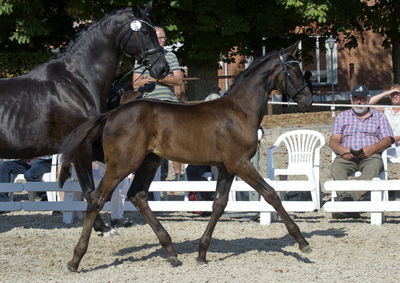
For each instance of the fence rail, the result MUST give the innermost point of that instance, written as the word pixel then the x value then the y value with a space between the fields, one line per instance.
pixel 69 205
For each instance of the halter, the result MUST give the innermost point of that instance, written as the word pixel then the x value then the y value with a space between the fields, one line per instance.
pixel 287 76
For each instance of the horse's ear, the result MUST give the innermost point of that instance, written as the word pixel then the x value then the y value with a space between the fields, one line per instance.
pixel 149 7
pixel 135 10
pixel 138 12
pixel 292 50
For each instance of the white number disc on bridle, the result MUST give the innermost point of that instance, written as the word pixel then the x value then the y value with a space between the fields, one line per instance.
pixel 136 25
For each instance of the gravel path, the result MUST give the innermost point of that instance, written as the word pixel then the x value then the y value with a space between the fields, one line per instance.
pixel 35 247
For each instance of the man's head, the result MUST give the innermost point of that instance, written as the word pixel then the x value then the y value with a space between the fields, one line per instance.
pixel 395 94
pixel 360 96
pixel 162 38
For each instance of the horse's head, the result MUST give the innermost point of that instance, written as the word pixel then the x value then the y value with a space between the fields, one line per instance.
pixel 291 80
pixel 140 40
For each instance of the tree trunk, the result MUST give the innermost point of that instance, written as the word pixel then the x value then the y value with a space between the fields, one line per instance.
pixel 208 82
pixel 396 61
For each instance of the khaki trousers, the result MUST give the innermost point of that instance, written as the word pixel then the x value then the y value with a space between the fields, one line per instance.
pixel 370 168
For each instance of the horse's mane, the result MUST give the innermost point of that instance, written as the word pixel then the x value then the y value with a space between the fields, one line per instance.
pixel 256 62
pixel 80 38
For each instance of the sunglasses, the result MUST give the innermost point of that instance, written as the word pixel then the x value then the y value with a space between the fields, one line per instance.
pixel 396 93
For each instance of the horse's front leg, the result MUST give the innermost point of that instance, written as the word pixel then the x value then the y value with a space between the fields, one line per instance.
pixel 137 194
pixel 83 168
pixel 224 184
pixel 95 205
pixel 249 174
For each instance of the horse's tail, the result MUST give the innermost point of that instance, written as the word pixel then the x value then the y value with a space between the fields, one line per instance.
pixel 86 133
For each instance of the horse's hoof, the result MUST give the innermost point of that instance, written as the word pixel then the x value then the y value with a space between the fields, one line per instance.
pixel 174 261
pixel 71 268
pixel 306 249
pixel 201 261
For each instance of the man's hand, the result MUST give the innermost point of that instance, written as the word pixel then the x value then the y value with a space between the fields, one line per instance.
pixel 368 152
pixel 152 80
pixel 348 156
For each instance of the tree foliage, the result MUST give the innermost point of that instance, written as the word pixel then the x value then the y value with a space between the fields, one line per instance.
pixel 33 24
pixel 208 28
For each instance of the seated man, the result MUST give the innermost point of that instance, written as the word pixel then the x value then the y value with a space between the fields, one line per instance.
pixel 358 137
pixel 33 171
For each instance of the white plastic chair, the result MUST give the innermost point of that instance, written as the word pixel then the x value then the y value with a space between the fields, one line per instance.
pixel 303 147
pixel 393 155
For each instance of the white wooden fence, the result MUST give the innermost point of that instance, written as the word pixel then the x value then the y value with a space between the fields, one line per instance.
pixel 378 204
pixel 69 205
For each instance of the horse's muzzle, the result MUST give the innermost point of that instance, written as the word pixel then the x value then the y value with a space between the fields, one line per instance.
pixel 159 70
pixel 304 102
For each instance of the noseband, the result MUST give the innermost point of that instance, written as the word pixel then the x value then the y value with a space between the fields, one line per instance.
pixel 287 76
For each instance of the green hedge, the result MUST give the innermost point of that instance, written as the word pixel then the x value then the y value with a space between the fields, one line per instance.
pixel 17 63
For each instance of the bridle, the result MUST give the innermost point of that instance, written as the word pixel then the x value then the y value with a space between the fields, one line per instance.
pixel 286 74
pixel 142 59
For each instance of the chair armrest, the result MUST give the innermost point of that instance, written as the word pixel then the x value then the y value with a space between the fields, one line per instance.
pixel 270 162
pixel 317 156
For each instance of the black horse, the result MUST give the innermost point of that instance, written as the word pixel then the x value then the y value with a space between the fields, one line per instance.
pixel 39 109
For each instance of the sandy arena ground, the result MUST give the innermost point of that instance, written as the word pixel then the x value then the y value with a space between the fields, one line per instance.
pixel 36 246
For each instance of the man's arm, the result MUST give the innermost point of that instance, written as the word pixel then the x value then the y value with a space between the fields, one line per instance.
pixel 138 80
pixel 385 134
pixel 336 146
pixel 376 98
pixel 175 79
pixel 377 147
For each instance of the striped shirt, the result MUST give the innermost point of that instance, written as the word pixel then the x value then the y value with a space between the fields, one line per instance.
pixel 357 133
pixel 162 91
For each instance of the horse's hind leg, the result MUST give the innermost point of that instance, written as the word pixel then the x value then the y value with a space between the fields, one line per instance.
pixel 224 184
pixel 250 175
pixel 137 194
pixel 83 167
pixel 96 203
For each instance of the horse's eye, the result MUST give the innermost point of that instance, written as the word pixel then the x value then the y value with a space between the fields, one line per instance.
pixel 146 32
